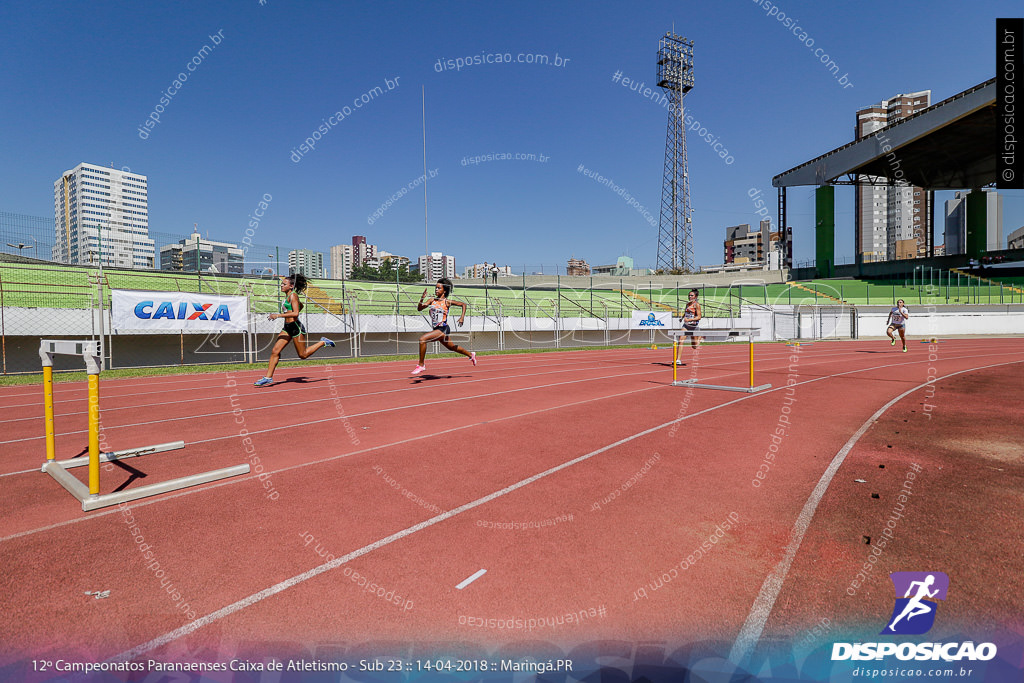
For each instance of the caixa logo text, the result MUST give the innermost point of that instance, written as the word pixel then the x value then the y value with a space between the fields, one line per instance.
pixel 150 310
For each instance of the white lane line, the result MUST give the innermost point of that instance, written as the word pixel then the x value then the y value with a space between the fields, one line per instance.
pixel 335 563
pixel 236 480
pixel 751 631
pixel 78 388
pixel 353 415
pixel 471 579
pixel 319 400
pixel 826 361
pixel 279 391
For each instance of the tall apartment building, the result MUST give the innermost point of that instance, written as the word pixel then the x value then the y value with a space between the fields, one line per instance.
pixel 436 265
pixel 342 260
pixel 890 214
pixel 101 216
pixel 956 222
pixel 196 253
pixel 361 251
pixel 762 246
pixel 743 245
pixel 306 261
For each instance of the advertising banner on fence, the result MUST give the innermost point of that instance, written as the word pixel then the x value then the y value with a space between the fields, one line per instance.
pixel 651 320
pixel 189 311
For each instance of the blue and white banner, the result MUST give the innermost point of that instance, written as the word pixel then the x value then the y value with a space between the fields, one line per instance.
pixel 191 312
pixel 651 320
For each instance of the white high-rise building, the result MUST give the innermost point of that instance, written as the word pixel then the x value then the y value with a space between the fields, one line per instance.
pixel 102 217
pixel 309 263
pixel 889 213
pixel 342 257
pixel 436 266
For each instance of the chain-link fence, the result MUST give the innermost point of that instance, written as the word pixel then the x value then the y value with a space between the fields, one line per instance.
pixel 45 300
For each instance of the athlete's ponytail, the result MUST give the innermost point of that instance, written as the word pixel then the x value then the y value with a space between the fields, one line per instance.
pixel 298 281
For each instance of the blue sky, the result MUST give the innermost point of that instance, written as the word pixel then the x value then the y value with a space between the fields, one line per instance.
pixel 79 79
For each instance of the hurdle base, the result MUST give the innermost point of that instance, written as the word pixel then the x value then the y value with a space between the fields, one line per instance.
pixel 114 456
pixel 696 385
pixel 94 502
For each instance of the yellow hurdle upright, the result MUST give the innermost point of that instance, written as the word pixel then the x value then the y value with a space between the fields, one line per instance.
pixel 94 434
pixel 48 403
pixel 675 358
pixel 89 496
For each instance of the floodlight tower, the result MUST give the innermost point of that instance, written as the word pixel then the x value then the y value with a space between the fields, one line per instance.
pixel 675 229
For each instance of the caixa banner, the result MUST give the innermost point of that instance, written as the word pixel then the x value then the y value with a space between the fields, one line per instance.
pixel 191 312
pixel 651 320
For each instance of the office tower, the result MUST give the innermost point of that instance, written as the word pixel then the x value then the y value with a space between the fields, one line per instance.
pixel 101 217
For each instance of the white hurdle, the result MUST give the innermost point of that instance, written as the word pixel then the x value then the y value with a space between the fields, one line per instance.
pixel 725 334
pixel 89 496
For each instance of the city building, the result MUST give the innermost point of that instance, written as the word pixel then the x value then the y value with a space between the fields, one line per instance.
pixel 622 267
pixel 477 271
pixel 780 250
pixel 889 213
pixel 101 216
pixel 171 257
pixel 1015 240
pixel 342 260
pixel 196 253
pixel 306 261
pixel 361 250
pixel 577 266
pixel 381 256
pixel 760 249
pixel 435 266
pixel 956 222
pixel 743 245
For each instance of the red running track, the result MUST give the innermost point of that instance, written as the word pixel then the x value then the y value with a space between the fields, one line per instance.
pixel 581 482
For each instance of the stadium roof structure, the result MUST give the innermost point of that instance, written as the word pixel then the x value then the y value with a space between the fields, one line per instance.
pixel 948 146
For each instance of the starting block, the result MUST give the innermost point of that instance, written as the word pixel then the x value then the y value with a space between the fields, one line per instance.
pixel 930 341
pixel 716 335
pixel 89 496
pixel 798 343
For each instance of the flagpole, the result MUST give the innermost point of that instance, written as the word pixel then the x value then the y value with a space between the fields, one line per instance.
pixel 426 245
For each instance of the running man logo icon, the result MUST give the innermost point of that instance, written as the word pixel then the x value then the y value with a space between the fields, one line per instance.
pixel 914 612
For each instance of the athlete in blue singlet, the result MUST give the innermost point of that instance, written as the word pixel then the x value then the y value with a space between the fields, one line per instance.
pixel 439 306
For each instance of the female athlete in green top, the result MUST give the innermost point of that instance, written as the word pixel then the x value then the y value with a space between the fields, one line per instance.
pixel 293 330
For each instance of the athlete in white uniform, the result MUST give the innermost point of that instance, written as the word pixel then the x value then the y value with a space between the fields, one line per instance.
pixel 898 321
pixel 439 306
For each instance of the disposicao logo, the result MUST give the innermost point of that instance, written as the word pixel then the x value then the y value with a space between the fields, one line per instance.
pixel 166 310
pixel 917 596
pixel 914 613
pixel 651 322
